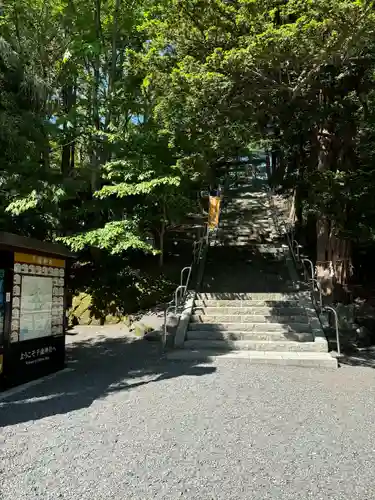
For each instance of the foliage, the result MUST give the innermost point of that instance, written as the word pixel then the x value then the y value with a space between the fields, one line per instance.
pixel 297 76
pixel 87 162
pixel 118 112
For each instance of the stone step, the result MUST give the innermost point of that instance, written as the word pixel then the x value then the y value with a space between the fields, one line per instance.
pixel 238 230
pixel 249 243
pixel 250 311
pixel 245 230
pixel 270 240
pixel 248 318
pixel 251 327
pixel 247 227
pixel 301 359
pixel 240 335
pixel 255 237
pixel 250 296
pixel 231 220
pixel 253 241
pixel 273 304
pixel 250 223
pixel 255 345
pixel 247 237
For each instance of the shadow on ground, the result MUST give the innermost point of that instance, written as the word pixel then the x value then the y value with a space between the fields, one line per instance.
pixel 352 355
pixel 100 367
pixel 365 359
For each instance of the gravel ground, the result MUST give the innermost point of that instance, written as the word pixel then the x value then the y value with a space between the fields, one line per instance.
pixel 124 425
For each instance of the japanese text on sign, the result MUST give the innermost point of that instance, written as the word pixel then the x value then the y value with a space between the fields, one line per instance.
pixel 38 259
pixel 37 353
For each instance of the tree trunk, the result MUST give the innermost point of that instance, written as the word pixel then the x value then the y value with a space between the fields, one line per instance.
pixel 298 206
pixel 324 268
pixel 113 68
pixel 333 254
pixel 273 162
pixel 95 151
pixel 162 234
pixel 161 245
pixel 68 94
pixel 268 166
pixel 278 168
pixel 334 260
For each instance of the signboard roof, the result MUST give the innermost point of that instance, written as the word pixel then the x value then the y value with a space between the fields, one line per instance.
pixel 10 241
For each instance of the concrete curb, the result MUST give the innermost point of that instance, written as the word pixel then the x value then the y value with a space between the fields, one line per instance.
pixel 184 321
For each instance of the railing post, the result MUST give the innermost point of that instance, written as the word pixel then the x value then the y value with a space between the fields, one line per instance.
pixel 329 308
pixel 188 268
pixel 318 286
pixel 177 293
pixel 164 339
pixel 181 290
pixel 311 266
pixel 296 244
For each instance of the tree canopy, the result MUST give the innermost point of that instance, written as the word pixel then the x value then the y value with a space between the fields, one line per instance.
pixel 115 113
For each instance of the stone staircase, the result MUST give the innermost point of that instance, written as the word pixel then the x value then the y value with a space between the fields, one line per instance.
pixel 260 327
pixel 249 307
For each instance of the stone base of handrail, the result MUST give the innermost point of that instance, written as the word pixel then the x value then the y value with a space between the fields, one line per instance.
pixel 184 320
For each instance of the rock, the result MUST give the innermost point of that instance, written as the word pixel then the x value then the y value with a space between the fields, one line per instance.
pixel 148 332
pixel 345 313
pixel 364 336
pixel 74 320
pixel 140 329
pixel 126 320
pixel 362 332
pixel 153 336
pixel 81 313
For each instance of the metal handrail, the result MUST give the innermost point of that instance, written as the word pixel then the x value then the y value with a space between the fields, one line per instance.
pixel 319 288
pixel 182 289
pixel 291 240
pixel 329 308
pixel 178 295
pixel 311 267
pixel 294 243
pixel 313 280
pixel 195 245
pixel 197 249
pixel 188 268
pixel 298 247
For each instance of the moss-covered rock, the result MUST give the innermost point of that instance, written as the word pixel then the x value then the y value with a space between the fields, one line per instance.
pixel 81 313
pixel 139 329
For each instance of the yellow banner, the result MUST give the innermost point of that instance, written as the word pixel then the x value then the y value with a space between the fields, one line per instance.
pixel 27 258
pixel 214 211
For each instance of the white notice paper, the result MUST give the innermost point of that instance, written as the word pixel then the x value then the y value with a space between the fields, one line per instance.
pixel 36 307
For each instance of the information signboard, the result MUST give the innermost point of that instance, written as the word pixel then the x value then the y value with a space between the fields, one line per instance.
pixel 2 303
pixel 32 308
pixel 37 298
pixel 36 307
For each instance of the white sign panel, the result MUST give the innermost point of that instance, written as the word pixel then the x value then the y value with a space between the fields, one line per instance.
pixel 36 307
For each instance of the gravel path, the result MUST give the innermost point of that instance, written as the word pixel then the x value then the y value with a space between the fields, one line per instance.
pixel 123 425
